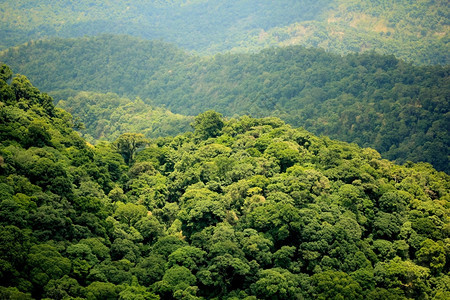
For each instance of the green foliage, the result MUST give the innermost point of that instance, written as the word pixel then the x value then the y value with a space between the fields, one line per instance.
pixel 208 124
pixel 373 100
pixel 213 21
pixel 253 210
pixel 179 278
pixel 276 284
pixel 415 31
pixel 136 291
pixel 5 73
pixel 128 143
pixel 62 288
pixel 403 275
pixel 107 116
pixel 431 255
pixel 336 285
pixel 189 257
pixel 130 213
pixel 102 290
pixel 46 263
pixel 13 293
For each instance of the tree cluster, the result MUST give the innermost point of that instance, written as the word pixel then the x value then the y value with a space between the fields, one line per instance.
pixel 107 116
pixel 376 101
pixel 240 208
pixel 414 31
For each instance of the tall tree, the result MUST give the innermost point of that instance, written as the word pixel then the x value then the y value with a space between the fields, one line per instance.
pixel 128 144
pixel 208 124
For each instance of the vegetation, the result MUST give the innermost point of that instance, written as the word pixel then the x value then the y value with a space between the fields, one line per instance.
pixel 241 208
pixel 375 101
pixel 416 31
pixel 107 116
pixel 197 24
pixel 413 31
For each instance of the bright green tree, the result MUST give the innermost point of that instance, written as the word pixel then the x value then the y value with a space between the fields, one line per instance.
pixel 208 124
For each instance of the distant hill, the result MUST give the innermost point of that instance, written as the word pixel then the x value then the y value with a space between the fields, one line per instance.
pixel 379 101
pixel 416 31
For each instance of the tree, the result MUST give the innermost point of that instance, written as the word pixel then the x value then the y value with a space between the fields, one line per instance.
pixel 168 244
pixel 175 280
pixel 335 285
pixel 25 91
pixel 103 290
pixel 431 254
pixel 275 284
pixel 150 190
pixel 128 144
pixel 82 260
pixel 256 246
pixel 16 210
pixel 13 293
pixel 97 247
pixel 38 135
pixel 125 249
pixel 46 263
pixel 116 272
pixel 130 213
pixel 224 272
pixel 150 229
pixel 202 214
pixel 394 201
pixel 283 256
pixel 136 292
pixel 179 277
pixel 5 73
pixel 188 256
pixel 150 269
pixel 208 124
pixel 63 288
pixel 285 153
pixel 13 252
pixel 404 275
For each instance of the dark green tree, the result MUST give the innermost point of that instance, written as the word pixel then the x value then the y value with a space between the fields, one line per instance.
pixel 128 144
pixel 5 72
pixel 335 285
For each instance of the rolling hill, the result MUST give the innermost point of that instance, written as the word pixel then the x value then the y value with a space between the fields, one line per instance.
pixel 416 31
pixel 377 101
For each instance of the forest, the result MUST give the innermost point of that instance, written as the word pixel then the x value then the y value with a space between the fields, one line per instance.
pixel 235 208
pixel 224 150
pixel 106 116
pixel 415 31
pixel 377 101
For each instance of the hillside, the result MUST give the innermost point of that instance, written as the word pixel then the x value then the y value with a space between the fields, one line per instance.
pixel 376 101
pixel 193 25
pixel 107 116
pixel 238 209
pixel 416 31
pixel 241 208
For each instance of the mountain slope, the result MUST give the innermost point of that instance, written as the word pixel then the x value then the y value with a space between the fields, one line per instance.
pixel 107 116
pixel 416 31
pixel 240 208
pixel 191 24
pixel 378 101
pixel 413 31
